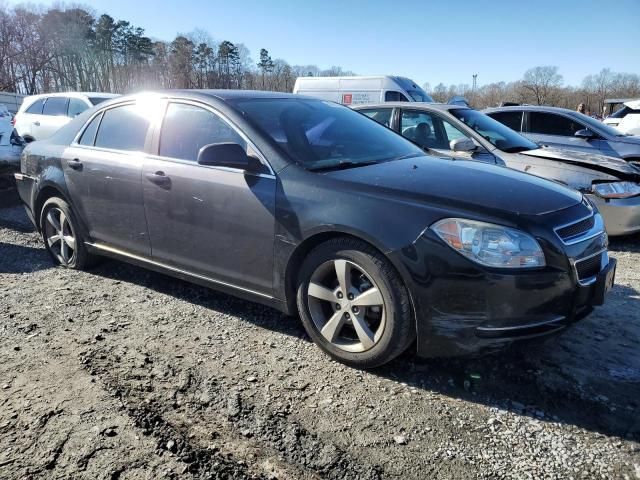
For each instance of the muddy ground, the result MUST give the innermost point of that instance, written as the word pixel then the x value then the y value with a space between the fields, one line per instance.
pixel 121 373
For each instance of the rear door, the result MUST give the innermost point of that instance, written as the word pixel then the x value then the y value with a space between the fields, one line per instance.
pixel 103 171
pixel 54 116
pixel 212 221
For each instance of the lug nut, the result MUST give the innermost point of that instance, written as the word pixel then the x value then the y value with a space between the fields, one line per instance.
pixel 338 307
pixel 340 295
pixel 347 315
pixel 355 310
pixel 350 296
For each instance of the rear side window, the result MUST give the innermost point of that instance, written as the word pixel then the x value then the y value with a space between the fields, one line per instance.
pixel 380 115
pixel 89 134
pixel 36 107
pixel 395 97
pixel 551 124
pixel 76 107
pixel 123 128
pixel 55 106
pixel 513 120
pixel 187 128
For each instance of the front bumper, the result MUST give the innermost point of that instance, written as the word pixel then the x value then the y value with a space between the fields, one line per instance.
pixel 462 308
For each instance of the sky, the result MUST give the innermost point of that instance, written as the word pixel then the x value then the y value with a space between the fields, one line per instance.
pixel 428 41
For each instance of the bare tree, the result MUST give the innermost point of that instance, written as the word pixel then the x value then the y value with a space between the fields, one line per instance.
pixel 543 83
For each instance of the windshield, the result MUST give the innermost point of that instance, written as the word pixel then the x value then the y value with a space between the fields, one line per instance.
pixel 597 126
pixel 323 135
pixel 420 96
pixel 500 136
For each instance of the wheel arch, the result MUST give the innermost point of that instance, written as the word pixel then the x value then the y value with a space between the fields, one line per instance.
pixel 46 192
pixel 297 258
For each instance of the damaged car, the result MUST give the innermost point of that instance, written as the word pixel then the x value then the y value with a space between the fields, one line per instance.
pixel 610 183
pixel 311 208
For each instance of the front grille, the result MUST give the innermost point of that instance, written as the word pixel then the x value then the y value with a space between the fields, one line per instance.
pixel 575 229
pixel 588 268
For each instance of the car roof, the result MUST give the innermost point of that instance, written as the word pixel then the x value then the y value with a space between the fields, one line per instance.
pixel 73 94
pixel 529 108
pixel 416 105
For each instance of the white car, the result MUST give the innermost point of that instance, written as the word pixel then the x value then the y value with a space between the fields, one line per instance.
pixel 40 116
pixel 627 118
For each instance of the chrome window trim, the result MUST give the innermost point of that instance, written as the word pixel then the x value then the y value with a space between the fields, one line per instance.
pixel 213 167
pixel 597 229
pixel 213 110
pixel 139 258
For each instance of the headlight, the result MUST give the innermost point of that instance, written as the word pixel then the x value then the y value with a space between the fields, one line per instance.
pixel 490 245
pixel 616 189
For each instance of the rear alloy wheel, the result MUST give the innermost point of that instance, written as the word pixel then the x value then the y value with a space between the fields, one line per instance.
pixel 59 236
pixel 62 235
pixel 353 305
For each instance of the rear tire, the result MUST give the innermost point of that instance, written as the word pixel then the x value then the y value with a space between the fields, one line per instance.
pixel 62 235
pixel 353 303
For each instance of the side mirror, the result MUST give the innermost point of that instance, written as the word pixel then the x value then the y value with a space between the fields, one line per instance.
pixel 229 155
pixel 462 145
pixel 585 133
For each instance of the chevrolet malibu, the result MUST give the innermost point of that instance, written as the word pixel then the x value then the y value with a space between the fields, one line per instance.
pixel 311 208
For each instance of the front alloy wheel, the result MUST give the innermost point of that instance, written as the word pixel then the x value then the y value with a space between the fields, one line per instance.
pixel 346 306
pixel 353 303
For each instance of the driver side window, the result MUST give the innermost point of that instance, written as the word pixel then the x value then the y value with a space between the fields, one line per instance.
pixel 551 124
pixel 428 130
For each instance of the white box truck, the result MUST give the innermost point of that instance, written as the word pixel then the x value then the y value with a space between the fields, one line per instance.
pixel 361 90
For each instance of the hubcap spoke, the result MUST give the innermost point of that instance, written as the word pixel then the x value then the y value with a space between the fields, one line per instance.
pixel 368 298
pixel 343 272
pixel 63 221
pixel 53 239
pixel 320 292
pixel 70 241
pixel 64 252
pixel 55 223
pixel 365 335
pixel 332 328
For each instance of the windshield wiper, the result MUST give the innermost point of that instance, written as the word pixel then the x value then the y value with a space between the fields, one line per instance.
pixel 341 166
pixel 517 149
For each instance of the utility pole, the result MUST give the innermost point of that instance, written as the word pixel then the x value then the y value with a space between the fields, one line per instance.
pixel 473 87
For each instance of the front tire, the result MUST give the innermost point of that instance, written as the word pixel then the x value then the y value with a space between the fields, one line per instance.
pixel 62 235
pixel 353 304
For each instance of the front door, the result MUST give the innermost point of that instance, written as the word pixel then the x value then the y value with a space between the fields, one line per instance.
pixel 103 174
pixel 215 222
pixel 557 130
pixel 434 132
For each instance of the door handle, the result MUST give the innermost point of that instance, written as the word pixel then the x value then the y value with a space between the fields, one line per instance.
pixel 37 124
pixel 159 178
pixel 76 164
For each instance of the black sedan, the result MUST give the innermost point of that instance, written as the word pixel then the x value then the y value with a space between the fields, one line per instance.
pixel 312 208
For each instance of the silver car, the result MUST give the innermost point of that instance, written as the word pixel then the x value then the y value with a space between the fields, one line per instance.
pixel 560 127
pixel 455 131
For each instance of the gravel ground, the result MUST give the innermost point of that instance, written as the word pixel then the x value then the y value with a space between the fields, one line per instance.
pixel 121 373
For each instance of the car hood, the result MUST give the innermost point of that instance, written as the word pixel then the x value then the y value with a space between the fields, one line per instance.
pixel 464 184
pixel 631 140
pixel 595 161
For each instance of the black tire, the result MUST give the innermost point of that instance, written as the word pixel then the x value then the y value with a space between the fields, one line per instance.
pixel 399 327
pixel 81 259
